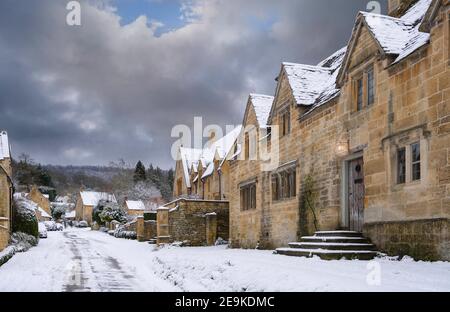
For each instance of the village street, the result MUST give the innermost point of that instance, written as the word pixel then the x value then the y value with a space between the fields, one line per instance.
pixel 84 260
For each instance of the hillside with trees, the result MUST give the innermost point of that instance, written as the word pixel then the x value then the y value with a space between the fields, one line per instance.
pixel 124 180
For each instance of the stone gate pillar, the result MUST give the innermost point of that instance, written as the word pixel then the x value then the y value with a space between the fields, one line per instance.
pixel 211 228
pixel 162 226
pixel 140 230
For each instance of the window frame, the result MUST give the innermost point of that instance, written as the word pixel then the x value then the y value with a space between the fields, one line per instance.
pixel 370 86
pixel 401 177
pixel 248 197
pixel 285 121
pixel 416 162
pixel 359 94
pixel 284 184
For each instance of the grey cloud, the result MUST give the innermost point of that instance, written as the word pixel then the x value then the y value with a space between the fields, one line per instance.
pixel 99 92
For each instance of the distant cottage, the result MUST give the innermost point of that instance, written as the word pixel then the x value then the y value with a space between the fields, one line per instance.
pixel 42 200
pixel 134 207
pixel 87 201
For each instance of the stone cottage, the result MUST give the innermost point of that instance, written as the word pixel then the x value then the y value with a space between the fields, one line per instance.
pixel 42 200
pixel 363 142
pixel 87 201
pixel 134 207
pixel 204 173
pixel 6 190
pixel 199 215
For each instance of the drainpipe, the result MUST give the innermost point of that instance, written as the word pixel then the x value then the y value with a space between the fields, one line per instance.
pixel 203 189
pixel 219 171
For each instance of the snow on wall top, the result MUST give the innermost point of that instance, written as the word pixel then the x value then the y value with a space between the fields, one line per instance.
pixel 135 205
pixel 262 105
pixel 4 145
pixel 70 214
pixel 43 212
pixel 92 198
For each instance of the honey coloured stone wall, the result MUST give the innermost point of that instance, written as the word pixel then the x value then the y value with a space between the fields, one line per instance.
pixel 5 202
pixel 411 106
pixel 187 220
pixel 319 160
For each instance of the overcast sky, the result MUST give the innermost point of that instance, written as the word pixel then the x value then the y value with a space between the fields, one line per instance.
pixel 116 85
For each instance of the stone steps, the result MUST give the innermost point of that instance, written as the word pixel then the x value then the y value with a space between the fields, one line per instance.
pixel 337 233
pixel 328 254
pixel 332 245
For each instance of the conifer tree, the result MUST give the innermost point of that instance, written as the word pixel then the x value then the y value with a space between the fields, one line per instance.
pixel 139 173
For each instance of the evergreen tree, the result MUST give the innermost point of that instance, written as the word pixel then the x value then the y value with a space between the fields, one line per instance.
pixel 139 173
pixel 170 179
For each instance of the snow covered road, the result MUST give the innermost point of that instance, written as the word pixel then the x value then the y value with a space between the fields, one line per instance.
pixel 84 260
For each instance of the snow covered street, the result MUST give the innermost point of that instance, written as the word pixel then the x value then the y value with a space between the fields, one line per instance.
pixel 84 260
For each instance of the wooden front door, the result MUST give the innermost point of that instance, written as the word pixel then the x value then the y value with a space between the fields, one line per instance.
pixel 356 194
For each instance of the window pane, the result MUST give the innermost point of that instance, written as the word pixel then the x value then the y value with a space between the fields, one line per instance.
pixel 415 160
pixel 370 87
pixel 415 150
pixel 401 166
pixel 416 172
pixel 359 87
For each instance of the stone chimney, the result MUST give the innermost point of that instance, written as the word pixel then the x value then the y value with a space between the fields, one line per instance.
pixel 397 8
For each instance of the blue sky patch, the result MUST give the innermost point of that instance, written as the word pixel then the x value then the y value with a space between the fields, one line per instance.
pixel 165 11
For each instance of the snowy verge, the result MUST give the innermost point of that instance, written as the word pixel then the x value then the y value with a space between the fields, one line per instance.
pixel 7 254
pixel 20 242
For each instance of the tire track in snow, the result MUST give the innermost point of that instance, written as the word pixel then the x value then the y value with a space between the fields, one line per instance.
pixel 93 271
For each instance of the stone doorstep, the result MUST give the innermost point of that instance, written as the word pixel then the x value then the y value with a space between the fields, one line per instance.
pixel 338 233
pixel 334 246
pixel 334 239
pixel 328 254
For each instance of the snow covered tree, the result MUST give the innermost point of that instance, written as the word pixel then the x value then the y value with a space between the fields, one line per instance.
pixel 139 173
pixel 24 217
pixel 58 211
pixel 111 211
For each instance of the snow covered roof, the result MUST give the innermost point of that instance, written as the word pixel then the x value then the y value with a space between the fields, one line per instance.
pixel 135 205
pixel 334 61
pixel 92 198
pixel 398 37
pixel 189 156
pixel 192 157
pixel 262 105
pixel 314 85
pixel 4 145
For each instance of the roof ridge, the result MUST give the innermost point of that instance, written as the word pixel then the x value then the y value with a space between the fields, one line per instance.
pixel 396 19
pixel 306 66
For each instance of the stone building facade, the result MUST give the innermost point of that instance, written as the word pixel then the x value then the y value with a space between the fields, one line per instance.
pixel 364 136
pixel 6 190
pixel 204 173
